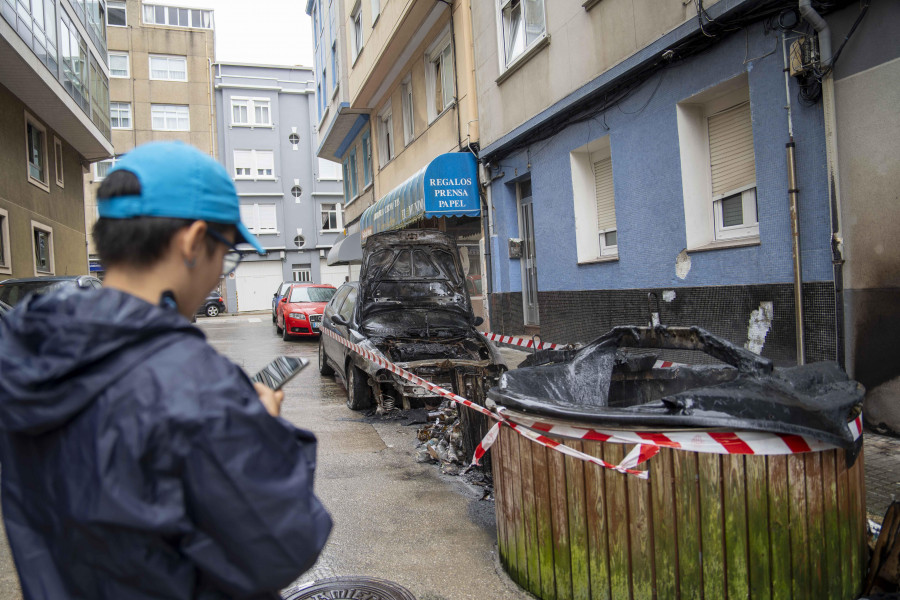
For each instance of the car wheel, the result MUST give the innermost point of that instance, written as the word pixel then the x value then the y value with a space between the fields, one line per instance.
pixel 359 395
pixel 324 369
pixel 277 328
pixel 285 335
pixel 212 310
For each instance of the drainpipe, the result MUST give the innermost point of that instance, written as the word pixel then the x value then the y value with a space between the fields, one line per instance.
pixel 793 193
pixel 828 108
pixel 822 29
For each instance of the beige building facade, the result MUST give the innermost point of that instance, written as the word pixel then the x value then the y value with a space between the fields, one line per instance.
pixel 161 87
pixel 53 121
pixel 398 90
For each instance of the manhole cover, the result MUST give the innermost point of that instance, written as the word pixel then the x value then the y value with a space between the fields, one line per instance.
pixel 357 588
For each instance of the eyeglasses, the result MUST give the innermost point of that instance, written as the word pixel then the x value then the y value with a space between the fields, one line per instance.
pixel 232 257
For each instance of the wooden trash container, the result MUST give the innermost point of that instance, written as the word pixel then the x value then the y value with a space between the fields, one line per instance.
pixel 704 526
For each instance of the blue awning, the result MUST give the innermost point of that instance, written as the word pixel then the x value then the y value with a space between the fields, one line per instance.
pixel 446 187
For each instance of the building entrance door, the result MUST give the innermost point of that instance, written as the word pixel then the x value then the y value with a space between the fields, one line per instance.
pixel 529 264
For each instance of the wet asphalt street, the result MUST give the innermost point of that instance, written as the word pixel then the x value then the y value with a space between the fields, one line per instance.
pixel 394 519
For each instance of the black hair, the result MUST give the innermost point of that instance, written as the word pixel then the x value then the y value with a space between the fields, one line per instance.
pixel 138 242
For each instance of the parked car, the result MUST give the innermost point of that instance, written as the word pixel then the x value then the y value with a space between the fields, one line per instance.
pixel 13 291
pixel 411 307
pixel 279 294
pixel 300 309
pixel 213 306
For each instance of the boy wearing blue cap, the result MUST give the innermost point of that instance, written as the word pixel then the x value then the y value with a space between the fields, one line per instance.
pixel 137 462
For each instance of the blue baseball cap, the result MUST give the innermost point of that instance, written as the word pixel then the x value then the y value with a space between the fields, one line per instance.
pixel 180 182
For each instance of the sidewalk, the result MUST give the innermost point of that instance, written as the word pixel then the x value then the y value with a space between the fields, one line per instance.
pixel 882 456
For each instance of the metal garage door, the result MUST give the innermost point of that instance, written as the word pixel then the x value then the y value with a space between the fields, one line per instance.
pixel 334 275
pixel 255 283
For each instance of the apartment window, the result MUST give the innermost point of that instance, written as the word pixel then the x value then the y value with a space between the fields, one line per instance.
pixel 407 100
pixel 251 112
pixel 351 166
pixel 334 71
pixel 116 14
pixel 301 273
pixel 439 76
pixel 36 148
pixel 606 207
pixel 118 64
pixel 168 68
pixel 177 17
pixel 296 191
pixel 715 133
pixel 522 25
pixel 331 217
pixel 594 202
pixel 385 135
pixel 254 164
pixel 320 102
pixel 58 161
pixel 42 237
pixel 376 10
pixel 101 168
pixel 5 261
pixel 260 218
pixel 329 170
pixel 356 36
pixel 346 168
pixel 170 117
pixel 120 115
pixel 733 172
pixel 367 158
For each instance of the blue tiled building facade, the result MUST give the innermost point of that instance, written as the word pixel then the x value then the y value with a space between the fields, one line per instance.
pixel 658 259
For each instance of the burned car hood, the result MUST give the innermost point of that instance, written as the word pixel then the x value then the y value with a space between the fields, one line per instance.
pixel 416 323
pixel 420 272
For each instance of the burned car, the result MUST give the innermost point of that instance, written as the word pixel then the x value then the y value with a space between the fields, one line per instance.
pixel 410 307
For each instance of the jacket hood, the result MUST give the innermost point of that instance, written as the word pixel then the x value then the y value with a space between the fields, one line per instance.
pixel 59 351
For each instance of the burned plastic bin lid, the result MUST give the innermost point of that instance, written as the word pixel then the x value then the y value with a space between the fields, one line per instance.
pixel 603 385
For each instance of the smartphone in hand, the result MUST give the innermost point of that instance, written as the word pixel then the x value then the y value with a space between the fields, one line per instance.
pixel 278 372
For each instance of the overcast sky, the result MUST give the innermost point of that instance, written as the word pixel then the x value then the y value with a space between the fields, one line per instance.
pixel 276 32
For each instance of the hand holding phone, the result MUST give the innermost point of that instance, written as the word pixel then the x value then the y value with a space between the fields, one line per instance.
pixel 278 372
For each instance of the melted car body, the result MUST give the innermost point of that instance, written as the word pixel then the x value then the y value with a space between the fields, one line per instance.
pixel 412 308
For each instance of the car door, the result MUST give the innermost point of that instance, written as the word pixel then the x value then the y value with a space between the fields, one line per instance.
pixel 333 349
pixel 346 312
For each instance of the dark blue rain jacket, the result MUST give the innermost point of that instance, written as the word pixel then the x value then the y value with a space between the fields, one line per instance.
pixel 139 463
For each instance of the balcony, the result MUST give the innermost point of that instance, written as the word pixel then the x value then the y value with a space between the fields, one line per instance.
pixel 78 111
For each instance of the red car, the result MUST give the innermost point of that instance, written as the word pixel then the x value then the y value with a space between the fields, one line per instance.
pixel 300 310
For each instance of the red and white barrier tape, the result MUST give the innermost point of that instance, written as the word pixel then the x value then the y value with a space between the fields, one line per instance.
pixel 646 444
pixel 517 341
pixel 731 442
pixel 485 444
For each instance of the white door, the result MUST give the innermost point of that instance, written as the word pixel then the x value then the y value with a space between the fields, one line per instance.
pixel 256 282
pixel 335 275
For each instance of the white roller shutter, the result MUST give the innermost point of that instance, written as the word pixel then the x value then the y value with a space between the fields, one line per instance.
pixel 268 217
pixel 256 282
pixel 606 202
pixel 732 164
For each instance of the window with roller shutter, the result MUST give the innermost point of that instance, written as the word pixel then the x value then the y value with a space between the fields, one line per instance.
pixel 606 207
pixel 260 218
pixel 733 172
